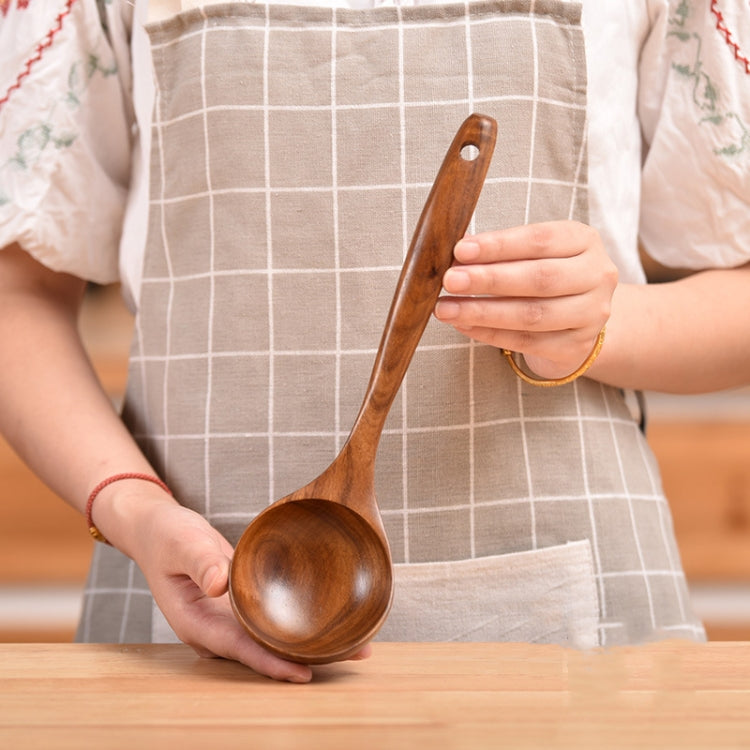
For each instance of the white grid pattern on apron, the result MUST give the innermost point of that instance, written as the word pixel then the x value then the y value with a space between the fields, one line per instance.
pixel 542 422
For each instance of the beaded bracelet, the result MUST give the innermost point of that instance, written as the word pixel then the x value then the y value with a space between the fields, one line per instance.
pixel 104 483
pixel 557 381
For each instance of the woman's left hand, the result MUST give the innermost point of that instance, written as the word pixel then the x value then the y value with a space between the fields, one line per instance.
pixel 544 290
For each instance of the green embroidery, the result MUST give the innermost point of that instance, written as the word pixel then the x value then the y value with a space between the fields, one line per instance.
pixel 706 93
pixel 681 13
pixel 34 142
pixel 742 144
pixel 80 75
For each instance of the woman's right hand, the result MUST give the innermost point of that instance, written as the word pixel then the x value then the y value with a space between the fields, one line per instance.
pixel 186 563
pixel 56 415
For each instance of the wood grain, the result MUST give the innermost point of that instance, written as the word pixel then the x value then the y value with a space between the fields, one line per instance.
pixel 456 696
pixel 311 579
pixel 705 467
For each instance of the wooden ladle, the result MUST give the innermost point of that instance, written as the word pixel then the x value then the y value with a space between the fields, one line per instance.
pixel 311 579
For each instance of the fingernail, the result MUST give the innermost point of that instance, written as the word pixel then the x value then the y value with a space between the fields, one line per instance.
pixel 300 679
pixel 456 280
pixel 466 250
pixel 212 581
pixel 446 309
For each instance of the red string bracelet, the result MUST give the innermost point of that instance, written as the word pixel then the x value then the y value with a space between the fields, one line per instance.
pixel 104 483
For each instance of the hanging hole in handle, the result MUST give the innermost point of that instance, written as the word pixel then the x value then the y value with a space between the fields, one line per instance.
pixel 469 152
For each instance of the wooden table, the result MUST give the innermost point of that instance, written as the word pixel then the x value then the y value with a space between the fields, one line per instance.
pixel 473 696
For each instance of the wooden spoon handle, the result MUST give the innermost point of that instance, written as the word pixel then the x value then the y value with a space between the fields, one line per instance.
pixel 444 220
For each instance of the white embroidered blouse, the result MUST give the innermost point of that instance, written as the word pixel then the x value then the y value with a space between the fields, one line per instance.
pixel 668 130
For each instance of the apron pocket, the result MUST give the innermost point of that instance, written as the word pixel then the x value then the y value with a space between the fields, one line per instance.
pixel 540 596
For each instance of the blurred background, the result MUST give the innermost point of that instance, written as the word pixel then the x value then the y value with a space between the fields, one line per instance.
pixel 703 445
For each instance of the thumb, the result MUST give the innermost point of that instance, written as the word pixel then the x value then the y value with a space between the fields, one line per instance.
pixel 210 567
pixel 196 550
pixel 214 580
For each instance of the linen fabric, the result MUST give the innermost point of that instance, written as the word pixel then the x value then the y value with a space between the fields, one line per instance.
pixel 290 158
pixel 668 114
pixel 547 596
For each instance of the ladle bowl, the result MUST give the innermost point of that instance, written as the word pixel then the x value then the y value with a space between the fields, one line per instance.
pixel 311 578
pixel 301 610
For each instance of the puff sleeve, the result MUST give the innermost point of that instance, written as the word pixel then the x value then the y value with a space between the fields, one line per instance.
pixel 694 107
pixel 65 133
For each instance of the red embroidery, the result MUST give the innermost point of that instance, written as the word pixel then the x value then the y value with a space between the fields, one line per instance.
pixel 20 4
pixel 40 48
pixel 722 28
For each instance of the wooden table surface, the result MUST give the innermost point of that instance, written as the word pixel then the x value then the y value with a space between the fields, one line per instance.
pixel 668 695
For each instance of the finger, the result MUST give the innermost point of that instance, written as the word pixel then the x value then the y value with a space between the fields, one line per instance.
pixel 552 239
pixel 211 629
pixel 533 314
pixel 216 632
pixel 364 653
pixel 548 277
pixel 204 555
pixel 515 341
pixel 248 652
pixel 567 349
pixel 209 568
pixel 215 579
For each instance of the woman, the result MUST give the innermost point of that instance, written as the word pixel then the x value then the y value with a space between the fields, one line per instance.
pixel 251 175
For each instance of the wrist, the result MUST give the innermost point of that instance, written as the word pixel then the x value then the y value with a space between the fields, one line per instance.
pixel 618 357
pixel 122 504
pixel 561 380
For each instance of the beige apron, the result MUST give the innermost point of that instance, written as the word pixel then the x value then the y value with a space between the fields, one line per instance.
pixel 292 149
